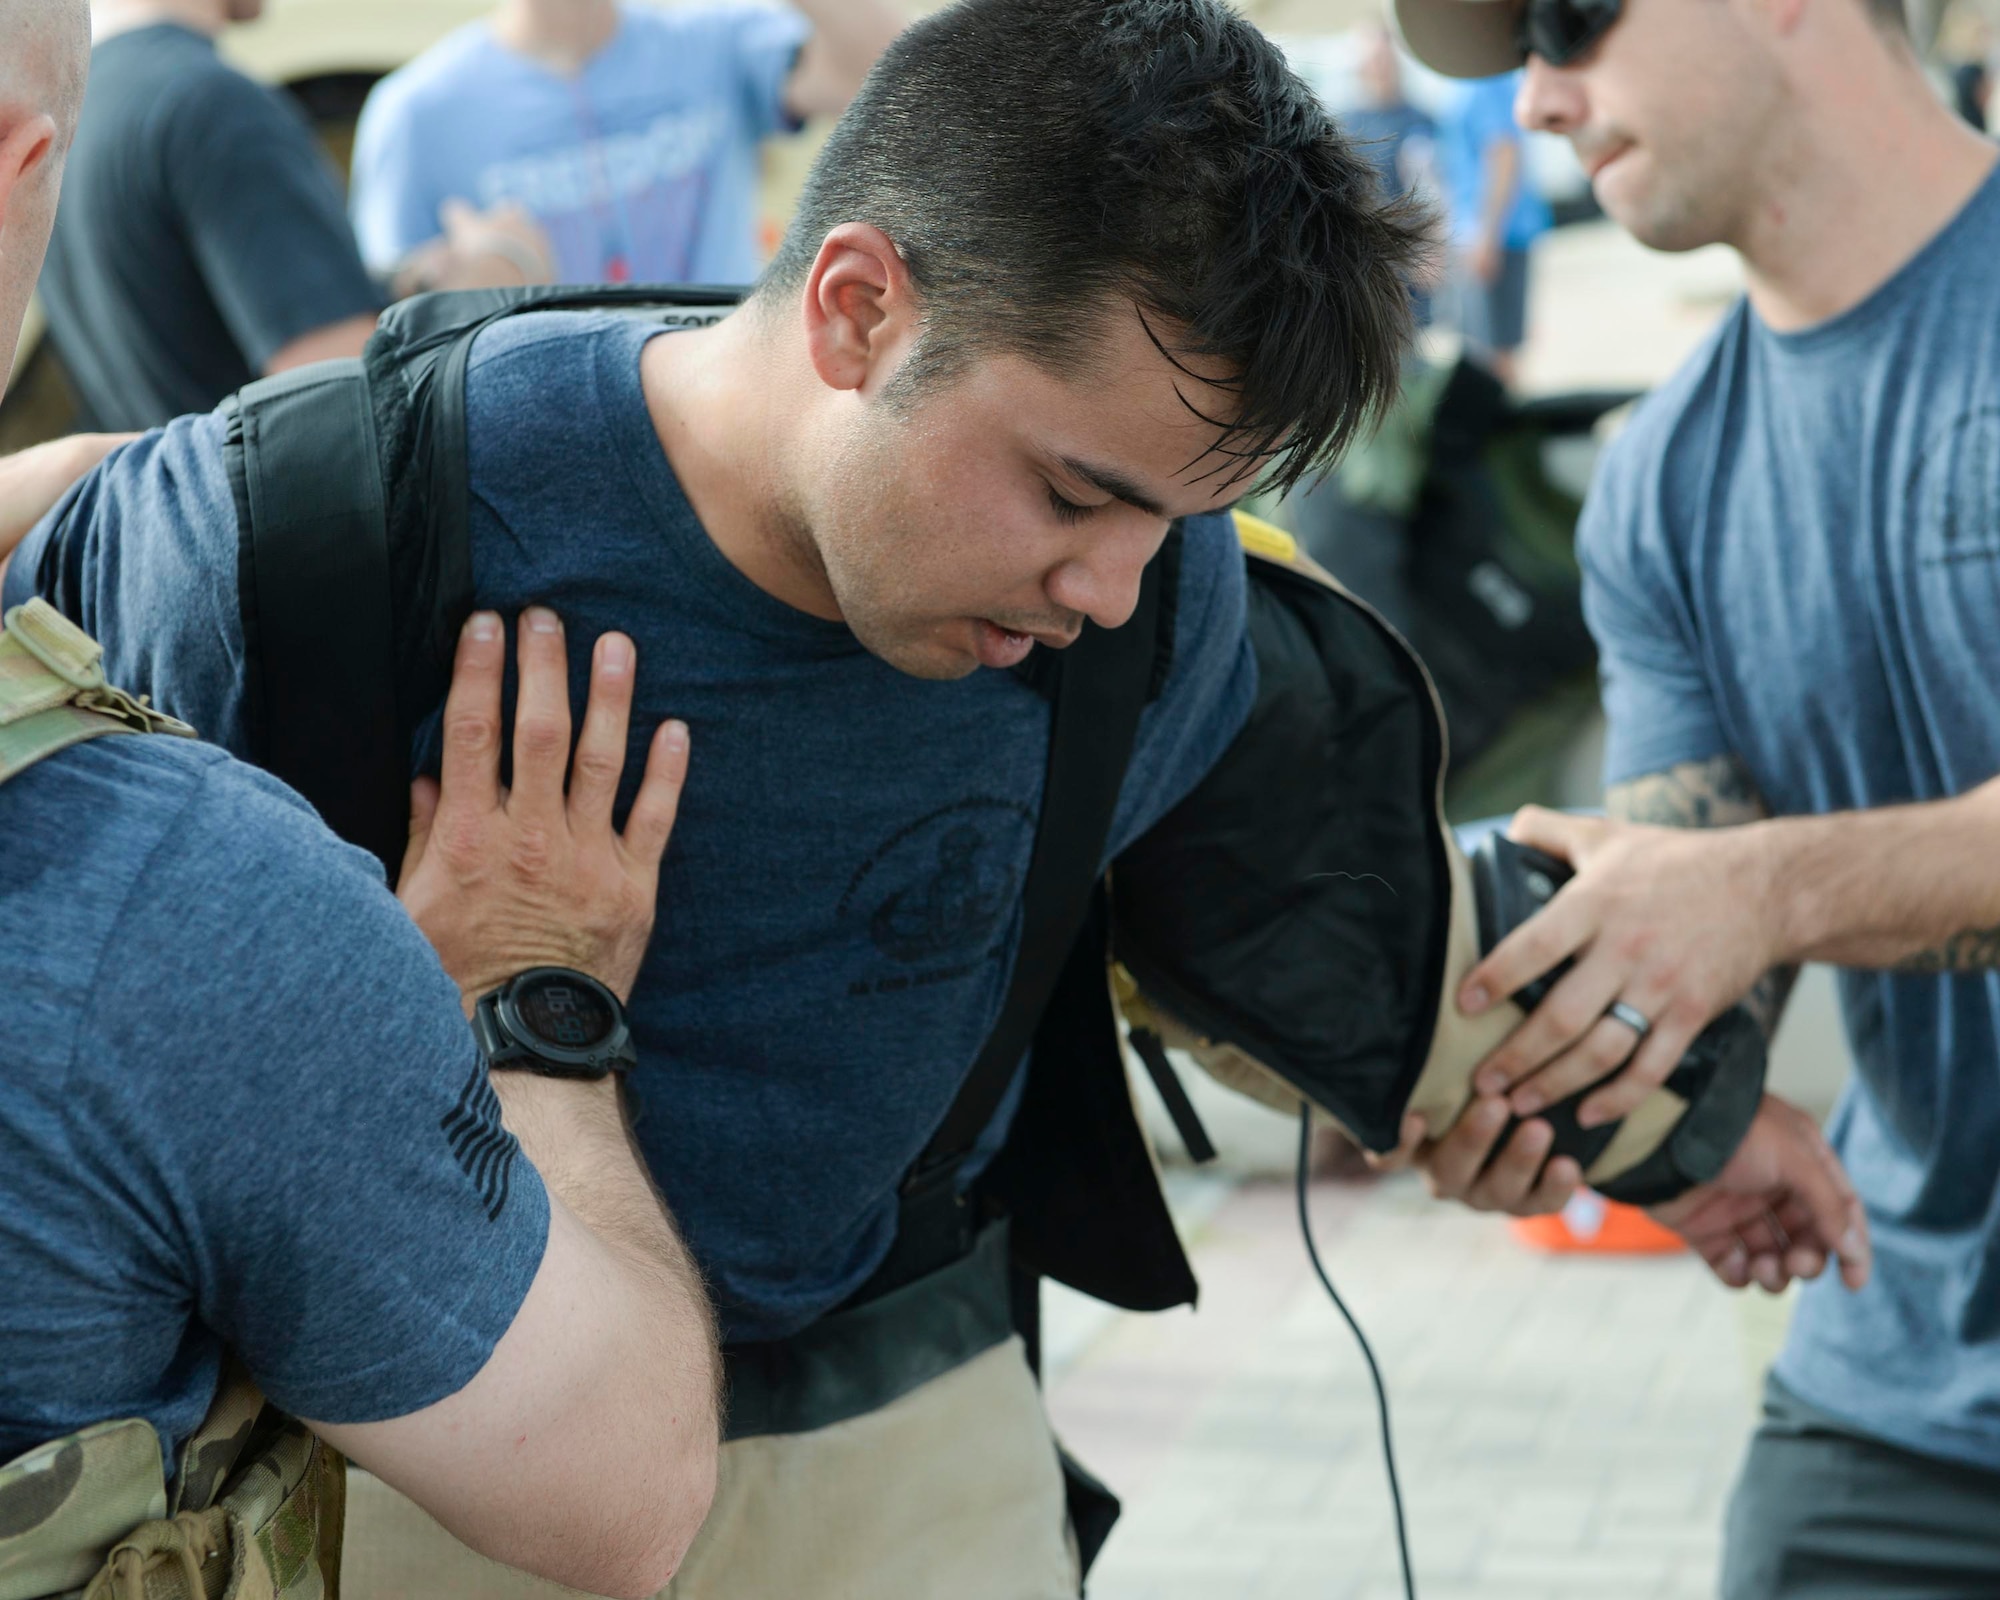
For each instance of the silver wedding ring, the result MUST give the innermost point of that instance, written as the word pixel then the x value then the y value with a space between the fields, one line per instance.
pixel 1632 1017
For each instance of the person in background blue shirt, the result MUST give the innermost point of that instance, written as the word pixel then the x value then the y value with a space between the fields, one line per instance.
pixel 1496 214
pixel 629 132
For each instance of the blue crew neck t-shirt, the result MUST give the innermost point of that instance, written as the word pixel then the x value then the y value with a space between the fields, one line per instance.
pixel 239 1106
pixel 1792 555
pixel 642 168
pixel 840 904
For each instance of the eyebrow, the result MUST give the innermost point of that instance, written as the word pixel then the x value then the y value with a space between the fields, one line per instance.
pixel 1115 484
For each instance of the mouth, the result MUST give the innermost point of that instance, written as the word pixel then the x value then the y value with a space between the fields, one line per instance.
pixel 1001 647
pixel 1595 162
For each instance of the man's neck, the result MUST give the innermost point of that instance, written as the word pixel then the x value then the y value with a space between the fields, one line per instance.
pixel 562 35
pixel 729 443
pixel 109 17
pixel 1866 179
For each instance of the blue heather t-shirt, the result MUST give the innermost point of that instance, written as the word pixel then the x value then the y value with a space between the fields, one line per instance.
pixel 841 901
pixel 642 168
pixel 239 1105
pixel 1793 555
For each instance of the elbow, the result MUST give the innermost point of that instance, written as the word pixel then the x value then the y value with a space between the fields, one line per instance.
pixel 675 1493
pixel 689 1496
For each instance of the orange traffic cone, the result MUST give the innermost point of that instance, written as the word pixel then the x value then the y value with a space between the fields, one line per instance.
pixel 1591 1224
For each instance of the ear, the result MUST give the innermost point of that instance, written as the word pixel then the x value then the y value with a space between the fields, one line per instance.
pixel 25 143
pixel 860 307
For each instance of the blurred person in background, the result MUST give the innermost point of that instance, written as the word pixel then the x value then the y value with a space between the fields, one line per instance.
pixel 202 242
pixel 1792 569
pixel 1496 214
pixel 631 133
pixel 1397 139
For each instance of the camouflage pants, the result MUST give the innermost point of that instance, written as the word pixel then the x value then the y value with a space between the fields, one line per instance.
pixel 952 1490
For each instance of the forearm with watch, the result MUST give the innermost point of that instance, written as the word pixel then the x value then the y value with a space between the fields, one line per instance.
pixel 541 912
pixel 558 1046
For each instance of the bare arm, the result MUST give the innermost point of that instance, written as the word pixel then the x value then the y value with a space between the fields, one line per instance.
pixel 1717 793
pixel 1680 925
pixel 847 37
pixel 33 480
pixel 584 1450
pixel 330 343
pixel 1913 887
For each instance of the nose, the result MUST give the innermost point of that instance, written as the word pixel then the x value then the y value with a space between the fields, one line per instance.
pixel 1550 99
pixel 1103 584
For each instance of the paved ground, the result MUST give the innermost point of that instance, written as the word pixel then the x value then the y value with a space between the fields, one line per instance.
pixel 1566 1427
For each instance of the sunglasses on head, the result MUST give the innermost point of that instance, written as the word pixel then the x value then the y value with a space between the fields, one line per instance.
pixel 1561 30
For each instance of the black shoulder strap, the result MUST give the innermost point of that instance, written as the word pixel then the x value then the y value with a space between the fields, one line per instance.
pixel 1101 687
pixel 313 581
pixel 337 469
pixel 446 478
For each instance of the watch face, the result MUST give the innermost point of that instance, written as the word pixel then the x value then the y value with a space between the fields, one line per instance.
pixel 561 1012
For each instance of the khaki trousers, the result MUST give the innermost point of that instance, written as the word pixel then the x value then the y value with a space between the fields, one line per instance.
pixel 953 1490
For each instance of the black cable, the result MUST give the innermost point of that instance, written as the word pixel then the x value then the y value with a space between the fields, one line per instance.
pixel 1360 1338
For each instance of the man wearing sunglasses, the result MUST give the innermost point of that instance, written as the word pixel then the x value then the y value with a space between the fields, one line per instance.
pixel 1792 568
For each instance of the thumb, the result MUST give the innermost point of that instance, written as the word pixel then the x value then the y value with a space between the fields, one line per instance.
pixel 456 216
pixel 423 812
pixel 1555 832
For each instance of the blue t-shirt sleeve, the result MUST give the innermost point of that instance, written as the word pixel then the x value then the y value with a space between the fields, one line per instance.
pixel 141 554
pixel 1657 698
pixel 768 41
pixel 262 212
pixel 390 193
pixel 1208 692
pixel 313 1139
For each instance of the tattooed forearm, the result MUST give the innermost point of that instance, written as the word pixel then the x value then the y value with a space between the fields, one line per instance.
pixel 1715 793
pixel 1975 950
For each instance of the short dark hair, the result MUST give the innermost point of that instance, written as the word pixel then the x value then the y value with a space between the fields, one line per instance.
pixel 1033 160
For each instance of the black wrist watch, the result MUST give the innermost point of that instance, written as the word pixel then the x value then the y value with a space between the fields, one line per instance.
pixel 559 1023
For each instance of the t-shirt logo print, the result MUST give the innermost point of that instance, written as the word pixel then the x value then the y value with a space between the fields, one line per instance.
pixel 959 904
pixel 940 892
pixel 480 1141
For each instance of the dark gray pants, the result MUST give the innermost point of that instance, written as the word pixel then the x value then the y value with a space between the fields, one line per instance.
pixel 1821 1513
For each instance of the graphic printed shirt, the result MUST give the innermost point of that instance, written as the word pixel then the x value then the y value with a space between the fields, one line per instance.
pixel 841 901
pixel 643 168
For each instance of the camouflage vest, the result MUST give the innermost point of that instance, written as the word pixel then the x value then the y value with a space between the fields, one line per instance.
pixel 256 1511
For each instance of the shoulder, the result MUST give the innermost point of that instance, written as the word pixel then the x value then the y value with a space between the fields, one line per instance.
pixel 209 104
pixel 248 920
pixel 1648 463
pixel 551 338
pixel 555 364
pixel 94 814
pixel 438 79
